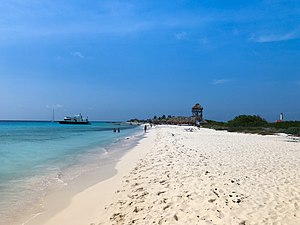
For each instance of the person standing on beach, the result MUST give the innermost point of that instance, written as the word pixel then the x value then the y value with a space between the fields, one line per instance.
pixel 145 128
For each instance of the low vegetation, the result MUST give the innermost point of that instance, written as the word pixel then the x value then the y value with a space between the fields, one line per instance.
pixel 247 121
pixel 242 123
pixel 171 120
pixel 256 124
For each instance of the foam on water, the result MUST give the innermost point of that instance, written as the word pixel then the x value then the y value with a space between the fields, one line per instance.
pixel 36 156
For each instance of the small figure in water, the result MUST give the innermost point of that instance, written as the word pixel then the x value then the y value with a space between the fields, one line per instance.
pixel 118 130
pixel 115 130
pixel 145 128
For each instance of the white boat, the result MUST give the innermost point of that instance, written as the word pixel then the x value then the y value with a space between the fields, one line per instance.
pixel 78 119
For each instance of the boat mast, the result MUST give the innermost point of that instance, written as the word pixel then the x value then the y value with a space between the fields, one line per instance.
pixel 53 115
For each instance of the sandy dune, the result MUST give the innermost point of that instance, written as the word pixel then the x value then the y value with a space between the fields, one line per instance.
pixel 209 177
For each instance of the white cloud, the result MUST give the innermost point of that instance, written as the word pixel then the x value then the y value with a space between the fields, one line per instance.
pixel 58 106
pixel 220 81
pixel 54 106
pixel 33 19
pixel 181 35
pixel 77 54
pixel 275 37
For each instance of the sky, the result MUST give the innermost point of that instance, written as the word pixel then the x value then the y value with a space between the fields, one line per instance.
pixel 117 60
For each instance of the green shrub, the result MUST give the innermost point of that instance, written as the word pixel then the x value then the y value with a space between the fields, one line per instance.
pixel 286 124
pixel 247 121
pixel 293 130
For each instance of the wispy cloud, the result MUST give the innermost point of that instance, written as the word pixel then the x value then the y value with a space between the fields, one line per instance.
pixel 54 106
pixel 77 54
pixel 27 19
pixel 220 81
pixel 58 106
pixel 181 35
pixel 295 34
pixel 204 43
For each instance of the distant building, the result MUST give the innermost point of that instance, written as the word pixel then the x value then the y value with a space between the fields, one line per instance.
pixel 197 111
pixel 280 118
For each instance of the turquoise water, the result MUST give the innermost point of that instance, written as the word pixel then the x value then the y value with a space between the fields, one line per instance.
pixel 37 155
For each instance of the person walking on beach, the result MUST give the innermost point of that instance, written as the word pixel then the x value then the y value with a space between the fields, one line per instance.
pixel 198 124
pixel 145 128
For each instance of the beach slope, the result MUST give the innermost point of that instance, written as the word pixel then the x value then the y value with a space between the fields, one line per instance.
pixel 184 175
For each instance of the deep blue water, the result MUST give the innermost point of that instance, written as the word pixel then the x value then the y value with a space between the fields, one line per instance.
pixel 36 155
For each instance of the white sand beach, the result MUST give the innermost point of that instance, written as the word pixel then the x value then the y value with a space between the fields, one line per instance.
pixel 182 175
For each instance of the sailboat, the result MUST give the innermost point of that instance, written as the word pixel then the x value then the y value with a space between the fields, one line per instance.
pixel 53 121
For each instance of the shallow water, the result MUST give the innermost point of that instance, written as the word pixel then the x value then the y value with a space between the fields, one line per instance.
pixel 36 156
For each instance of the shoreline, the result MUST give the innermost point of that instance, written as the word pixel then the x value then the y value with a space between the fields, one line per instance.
pixel 180 174
pixel 38 158
pixel 59 202
pixel 58 195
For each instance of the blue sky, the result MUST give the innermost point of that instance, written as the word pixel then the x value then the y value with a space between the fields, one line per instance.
pixel 116 60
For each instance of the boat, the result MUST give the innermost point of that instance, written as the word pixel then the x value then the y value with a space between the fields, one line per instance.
pixel 78 119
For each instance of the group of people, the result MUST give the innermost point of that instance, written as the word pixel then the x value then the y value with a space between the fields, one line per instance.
pixel 116 129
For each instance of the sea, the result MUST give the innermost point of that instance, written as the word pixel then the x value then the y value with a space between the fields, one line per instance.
pixel 39 157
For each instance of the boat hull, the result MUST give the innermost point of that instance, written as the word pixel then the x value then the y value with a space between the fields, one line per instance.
pixel 73 122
